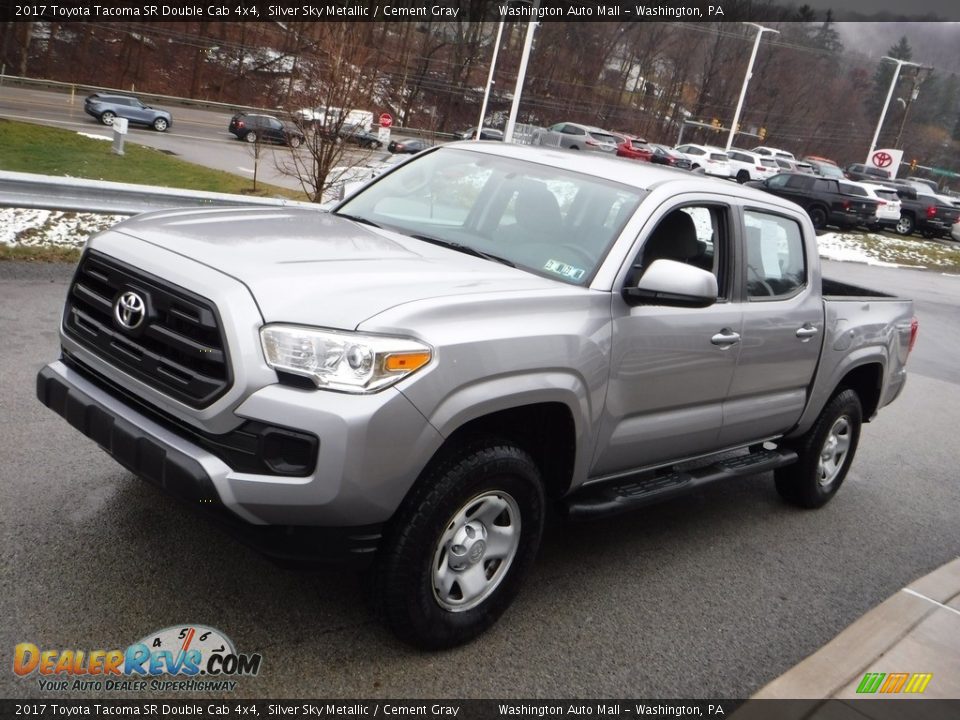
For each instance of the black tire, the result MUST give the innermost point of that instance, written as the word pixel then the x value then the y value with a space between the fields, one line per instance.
pixel 453 490
pixel 811 483
pixel 743 176
pixel 906 224
pixel 160 124
pixel 929 234
pixel 250 137
pixel 818 216
pixel 107 117
pixel 295 141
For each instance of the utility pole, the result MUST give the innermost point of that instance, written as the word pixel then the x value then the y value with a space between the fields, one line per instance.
pixel 917 80
pixel 746 80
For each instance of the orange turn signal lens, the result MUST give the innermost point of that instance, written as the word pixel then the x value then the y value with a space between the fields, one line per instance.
pixel 406 362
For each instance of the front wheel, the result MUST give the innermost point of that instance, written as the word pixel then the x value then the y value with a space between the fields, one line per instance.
pixel 160 124
pixel 825 454
pixel 295 141
pixel 743 176
pixel 455 554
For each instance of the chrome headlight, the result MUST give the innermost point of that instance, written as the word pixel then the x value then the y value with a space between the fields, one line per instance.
pixel 344 361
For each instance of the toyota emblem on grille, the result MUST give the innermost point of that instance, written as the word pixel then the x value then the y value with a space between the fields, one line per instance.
pixel 130 310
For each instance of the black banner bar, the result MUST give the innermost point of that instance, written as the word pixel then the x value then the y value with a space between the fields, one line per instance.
pixel 471 10
pixel 915 709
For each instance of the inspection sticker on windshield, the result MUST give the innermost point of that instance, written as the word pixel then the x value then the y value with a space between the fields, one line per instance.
pixel 568 271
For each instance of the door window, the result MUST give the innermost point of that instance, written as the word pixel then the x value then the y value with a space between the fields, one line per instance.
pixel 776 267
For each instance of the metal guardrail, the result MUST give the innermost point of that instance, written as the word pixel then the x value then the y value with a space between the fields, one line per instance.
pixel 43 192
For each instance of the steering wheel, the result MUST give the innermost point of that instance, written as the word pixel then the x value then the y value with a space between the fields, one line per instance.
pixel 761 280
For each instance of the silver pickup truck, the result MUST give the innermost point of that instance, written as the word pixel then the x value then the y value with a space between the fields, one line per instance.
pixel 483 333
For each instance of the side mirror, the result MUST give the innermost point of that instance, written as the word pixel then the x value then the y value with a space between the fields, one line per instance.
pixel 668 282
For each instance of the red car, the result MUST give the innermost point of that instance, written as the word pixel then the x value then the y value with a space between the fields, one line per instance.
pixel 634 148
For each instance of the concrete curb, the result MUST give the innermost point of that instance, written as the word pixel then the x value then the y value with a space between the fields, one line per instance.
pixel 915 631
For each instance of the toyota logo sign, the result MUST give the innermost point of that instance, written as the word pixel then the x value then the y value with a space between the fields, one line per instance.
pixel 130 310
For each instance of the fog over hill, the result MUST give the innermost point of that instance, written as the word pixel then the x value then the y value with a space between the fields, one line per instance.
pixel 932 43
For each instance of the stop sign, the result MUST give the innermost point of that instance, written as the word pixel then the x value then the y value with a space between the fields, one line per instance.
pixel 386 120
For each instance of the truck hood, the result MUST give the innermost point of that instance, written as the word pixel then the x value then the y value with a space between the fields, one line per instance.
pixel 309 267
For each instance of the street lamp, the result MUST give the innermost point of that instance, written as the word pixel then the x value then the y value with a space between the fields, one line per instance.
pixel 521 73
pixel 746 80
pixel 917 81
pixel 886 104
pixel 486 93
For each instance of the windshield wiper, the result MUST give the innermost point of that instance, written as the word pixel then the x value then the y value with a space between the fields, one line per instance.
pixel 357 218
pixel 464 249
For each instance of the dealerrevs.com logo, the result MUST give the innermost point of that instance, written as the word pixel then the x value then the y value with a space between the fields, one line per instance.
pixel 177 658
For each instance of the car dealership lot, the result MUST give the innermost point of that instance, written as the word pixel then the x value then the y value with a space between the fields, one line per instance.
pixel 712 594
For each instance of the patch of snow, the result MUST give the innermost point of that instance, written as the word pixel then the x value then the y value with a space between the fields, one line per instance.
pixel 51 228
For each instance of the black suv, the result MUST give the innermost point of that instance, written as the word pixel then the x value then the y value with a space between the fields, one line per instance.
pixel 107 108
pixel 823 199
pixel 264 128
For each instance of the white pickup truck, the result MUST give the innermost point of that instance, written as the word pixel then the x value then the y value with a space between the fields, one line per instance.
pixel 481 334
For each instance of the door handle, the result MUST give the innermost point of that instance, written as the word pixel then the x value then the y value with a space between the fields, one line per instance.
pixel 725 338
pixel 806 332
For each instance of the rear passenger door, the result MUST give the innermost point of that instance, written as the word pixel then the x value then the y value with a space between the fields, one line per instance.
pixel 782 328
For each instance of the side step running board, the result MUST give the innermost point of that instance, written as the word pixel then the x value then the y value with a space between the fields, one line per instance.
pixel 639 490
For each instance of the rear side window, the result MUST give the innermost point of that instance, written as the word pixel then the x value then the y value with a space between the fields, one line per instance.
pixel 888 195
pixel 852 190
pixel 766 162
pixel 799 182
pixel 776 267
pixel 603 137
pixel 718 157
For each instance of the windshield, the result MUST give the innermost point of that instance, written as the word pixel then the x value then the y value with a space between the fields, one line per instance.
pixel 831 171
pixel 551 222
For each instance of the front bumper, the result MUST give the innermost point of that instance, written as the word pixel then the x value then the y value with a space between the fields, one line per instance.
pixel 335 514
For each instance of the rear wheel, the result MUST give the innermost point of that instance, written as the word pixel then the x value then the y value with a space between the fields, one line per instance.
pixel 818 216
pixel 743 176
pixel 456 552
pixel 107 117
pixel 250 137
pixel 825 454
pixel 905 225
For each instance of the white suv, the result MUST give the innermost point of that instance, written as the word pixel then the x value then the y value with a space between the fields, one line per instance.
pixel 774 152
pixel 713 160
pixel 746 165
pixel 888 210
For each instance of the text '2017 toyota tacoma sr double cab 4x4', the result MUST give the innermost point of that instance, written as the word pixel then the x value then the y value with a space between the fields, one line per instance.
pixel 480 334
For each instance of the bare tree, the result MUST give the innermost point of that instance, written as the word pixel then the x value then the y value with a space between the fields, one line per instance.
pixel 332 84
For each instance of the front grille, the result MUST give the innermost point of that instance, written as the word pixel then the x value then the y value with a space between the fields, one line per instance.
pixel 178 348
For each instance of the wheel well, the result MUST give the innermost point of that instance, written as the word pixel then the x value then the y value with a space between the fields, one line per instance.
pixel 866 381
pixel 544 430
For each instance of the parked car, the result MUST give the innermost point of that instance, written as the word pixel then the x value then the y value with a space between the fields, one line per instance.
pixel 408 147
pixel 106 108
pixel 868 173
pixel 713 160
pixel 666 155
pixel 361 137
pixel 824 167
pixel 793 165
pixel 415 379
pixel 823 199
pixel 574 136
pixel 923 211
pixel 634 148
pixel 264 128
pixel 746 165
pixel 888 202
pixel 486 133
pixel 955 232
pixel 774 152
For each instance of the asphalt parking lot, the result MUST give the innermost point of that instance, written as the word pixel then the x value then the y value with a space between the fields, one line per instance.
pixel 710 595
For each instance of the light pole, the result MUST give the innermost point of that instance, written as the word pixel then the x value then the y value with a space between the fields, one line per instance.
pixel 486 94
pixel 886 104
pixel 746 80
pixel 521 73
